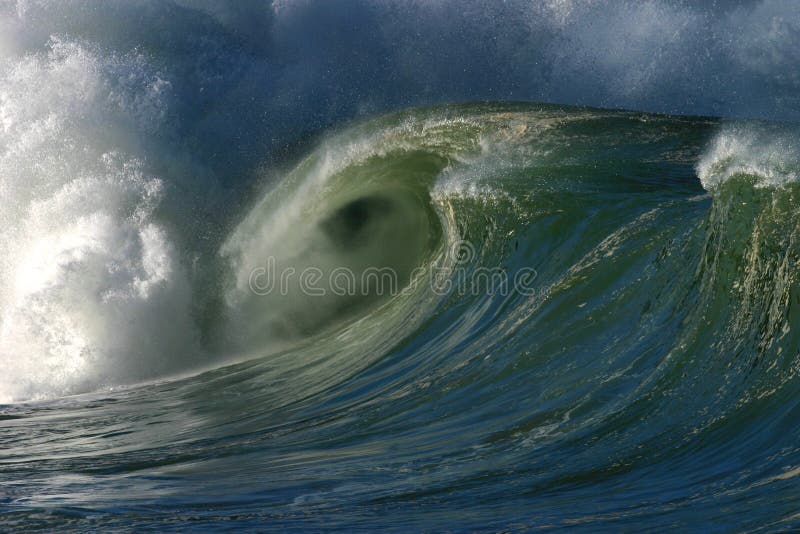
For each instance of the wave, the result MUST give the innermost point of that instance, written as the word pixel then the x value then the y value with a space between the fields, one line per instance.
pixel 560 274
pixel 101 296
pixel 124 165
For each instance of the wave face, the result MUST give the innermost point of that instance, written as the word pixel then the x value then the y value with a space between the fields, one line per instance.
pixel 470 316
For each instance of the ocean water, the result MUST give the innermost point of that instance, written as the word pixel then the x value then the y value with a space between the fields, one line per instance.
pixel 239 292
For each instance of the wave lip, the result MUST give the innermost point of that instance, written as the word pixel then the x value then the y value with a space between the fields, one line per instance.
pixel 770 154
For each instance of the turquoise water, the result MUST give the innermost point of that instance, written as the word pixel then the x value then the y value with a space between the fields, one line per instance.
pixel 639 369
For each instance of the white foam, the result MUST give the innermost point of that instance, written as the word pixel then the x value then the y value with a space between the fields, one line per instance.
pixel 92 290
pixel 771 156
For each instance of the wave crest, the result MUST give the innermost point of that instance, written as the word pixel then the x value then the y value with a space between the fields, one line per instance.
pixel 770 154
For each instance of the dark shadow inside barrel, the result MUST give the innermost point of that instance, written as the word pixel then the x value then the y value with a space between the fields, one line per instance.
pixel 347 226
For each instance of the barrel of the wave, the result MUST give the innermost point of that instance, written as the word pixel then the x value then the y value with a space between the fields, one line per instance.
pixel 337 239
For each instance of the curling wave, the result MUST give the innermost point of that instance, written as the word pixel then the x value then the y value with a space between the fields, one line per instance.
pixel 657 328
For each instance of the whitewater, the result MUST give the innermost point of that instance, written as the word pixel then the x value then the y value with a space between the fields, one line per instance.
pixel 592 313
